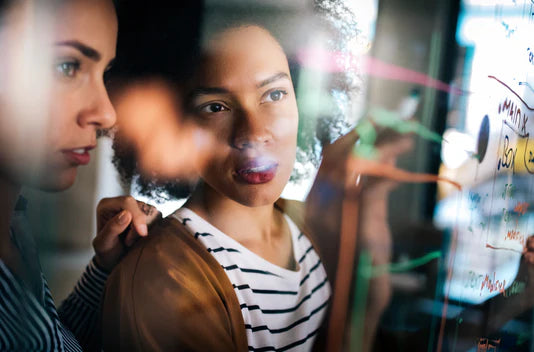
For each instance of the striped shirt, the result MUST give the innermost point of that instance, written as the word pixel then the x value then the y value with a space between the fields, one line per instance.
pixel 28 324
pixel 282 309
pixel 29 320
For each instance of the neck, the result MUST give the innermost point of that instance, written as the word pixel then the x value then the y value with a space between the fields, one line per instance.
pixel 10 192
pixel 241 222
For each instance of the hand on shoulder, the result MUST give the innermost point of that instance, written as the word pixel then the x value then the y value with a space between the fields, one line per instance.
pixel 120 222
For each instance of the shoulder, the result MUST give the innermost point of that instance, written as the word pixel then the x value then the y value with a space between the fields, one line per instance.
pixel 166 291
pixel 14 294
pixel 294 209
pixel 168 253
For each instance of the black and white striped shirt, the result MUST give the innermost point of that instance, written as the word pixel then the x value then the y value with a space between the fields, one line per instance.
pixel 27 324
pixel 30 322
pixel 282 309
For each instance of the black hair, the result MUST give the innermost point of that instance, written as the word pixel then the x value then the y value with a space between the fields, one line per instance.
pixel 155 41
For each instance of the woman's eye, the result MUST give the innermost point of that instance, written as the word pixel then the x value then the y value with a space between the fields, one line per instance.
pixel 67 69
pixel 275 95
pixel 213 108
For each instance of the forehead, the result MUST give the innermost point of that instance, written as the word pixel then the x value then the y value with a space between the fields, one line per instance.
pixel 242 56
pixel 92 22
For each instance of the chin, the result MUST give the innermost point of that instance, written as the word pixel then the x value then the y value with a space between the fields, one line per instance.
pixel 257 199
pixel 263 194
pixel 56 181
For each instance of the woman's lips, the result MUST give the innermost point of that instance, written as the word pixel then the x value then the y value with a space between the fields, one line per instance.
pixel 78 156
pixel 257 171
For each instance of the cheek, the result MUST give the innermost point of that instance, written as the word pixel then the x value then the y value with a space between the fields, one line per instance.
pixel 285 128
pixel 218 161
pixel 285 131
pixel 220 147
pixel 62 118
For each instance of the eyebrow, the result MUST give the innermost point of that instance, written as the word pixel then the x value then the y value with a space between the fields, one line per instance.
pixel 219 90
pixel 208 90
pixel 273 78
pixel 84 49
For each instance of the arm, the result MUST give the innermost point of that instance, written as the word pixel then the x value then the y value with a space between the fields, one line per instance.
pixel 346 212
pixel 80 311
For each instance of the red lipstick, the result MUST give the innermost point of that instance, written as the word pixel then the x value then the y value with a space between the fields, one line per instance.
pixel 257 171
pixel 78 156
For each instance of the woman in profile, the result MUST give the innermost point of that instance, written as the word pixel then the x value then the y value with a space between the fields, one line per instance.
pixel 42 144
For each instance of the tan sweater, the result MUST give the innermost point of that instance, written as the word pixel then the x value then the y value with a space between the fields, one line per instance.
pixel 170 294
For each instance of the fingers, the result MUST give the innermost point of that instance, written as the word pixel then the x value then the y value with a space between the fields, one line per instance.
pixel 142 218
pixel 139 217
pixel 529 250
pixel 106 244
pixel 150 215
pixel 342 146
pixel 141 213
pixel 388 149
pixel 121 221
pixel 529 257
pixel 334 157
pixel 115 227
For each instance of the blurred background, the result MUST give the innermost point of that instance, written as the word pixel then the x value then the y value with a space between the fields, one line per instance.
pixel 462 68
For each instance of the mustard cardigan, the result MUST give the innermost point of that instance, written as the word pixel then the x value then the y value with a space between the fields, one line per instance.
pixel 170 294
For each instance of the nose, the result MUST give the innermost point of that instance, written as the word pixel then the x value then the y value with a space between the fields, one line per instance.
pixel 252 129
pixel 98 109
